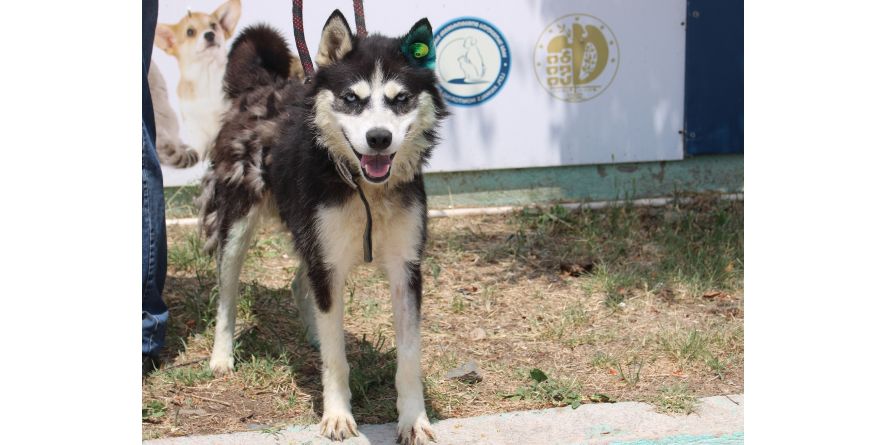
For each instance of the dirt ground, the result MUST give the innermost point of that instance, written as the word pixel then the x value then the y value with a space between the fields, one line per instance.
pixel 556 308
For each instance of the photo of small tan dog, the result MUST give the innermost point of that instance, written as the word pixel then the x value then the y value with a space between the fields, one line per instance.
pixel 198 42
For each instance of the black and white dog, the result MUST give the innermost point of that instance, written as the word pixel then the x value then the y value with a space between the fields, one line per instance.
pixel 364 125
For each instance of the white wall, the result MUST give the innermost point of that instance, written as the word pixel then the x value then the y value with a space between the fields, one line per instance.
pixel 635 118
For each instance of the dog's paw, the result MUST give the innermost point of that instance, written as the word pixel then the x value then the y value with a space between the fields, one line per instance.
pixel 418 433
pixel 338 425
pixel 221 365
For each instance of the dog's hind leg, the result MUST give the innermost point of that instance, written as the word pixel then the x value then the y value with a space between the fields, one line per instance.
pixel 230 262
pixel 304 297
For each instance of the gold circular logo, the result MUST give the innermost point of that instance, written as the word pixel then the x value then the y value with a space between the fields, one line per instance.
pixel 576 57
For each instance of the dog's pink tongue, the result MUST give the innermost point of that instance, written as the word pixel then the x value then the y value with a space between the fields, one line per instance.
pixel 376 166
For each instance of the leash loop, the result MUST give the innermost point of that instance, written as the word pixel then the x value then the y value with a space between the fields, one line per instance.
pixel 345 174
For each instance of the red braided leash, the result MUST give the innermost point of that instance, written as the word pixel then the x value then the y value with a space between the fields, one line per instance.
pixel 358 16
pixel 298 28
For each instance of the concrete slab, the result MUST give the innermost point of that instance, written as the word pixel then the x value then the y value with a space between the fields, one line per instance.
pixel 718 421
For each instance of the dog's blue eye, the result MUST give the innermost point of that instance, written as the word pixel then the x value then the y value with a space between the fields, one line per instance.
pixel 350 97
pixel 402 97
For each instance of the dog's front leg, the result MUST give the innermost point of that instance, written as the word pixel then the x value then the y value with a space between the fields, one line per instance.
pixel 337 422
pixel 413 426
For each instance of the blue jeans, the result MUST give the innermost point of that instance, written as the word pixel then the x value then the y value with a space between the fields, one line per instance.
pixel 154 311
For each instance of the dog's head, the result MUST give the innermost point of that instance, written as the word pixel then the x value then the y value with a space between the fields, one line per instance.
pixel 375 100
pixel 199 35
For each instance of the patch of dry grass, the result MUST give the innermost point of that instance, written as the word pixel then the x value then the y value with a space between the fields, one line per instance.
pixel 675 399
pixel 619 304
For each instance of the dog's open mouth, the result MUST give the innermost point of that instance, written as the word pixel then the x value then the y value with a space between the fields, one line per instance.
pixel 376 168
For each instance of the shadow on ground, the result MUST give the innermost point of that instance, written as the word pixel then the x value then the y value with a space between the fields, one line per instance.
pixel 273 358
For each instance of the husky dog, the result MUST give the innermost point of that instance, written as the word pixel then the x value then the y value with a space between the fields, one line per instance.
pixel 309 153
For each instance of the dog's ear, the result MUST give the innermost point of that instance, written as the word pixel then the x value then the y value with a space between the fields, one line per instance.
pixel 418 45
pixel 336 40
pixel 164 38
pixel 296 70
pixel 228 14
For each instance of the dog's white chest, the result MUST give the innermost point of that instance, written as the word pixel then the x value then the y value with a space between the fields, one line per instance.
pixel 396 231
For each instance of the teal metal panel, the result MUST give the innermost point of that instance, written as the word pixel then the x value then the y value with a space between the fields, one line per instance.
pixel 515 187
pixel 724 173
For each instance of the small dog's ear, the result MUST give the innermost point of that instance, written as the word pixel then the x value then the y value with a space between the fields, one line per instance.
pixel 418 45
pixel 164 38
pixel 228 14
pixel 336 40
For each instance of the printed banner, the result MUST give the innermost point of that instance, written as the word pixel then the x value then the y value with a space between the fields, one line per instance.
pixel 529 84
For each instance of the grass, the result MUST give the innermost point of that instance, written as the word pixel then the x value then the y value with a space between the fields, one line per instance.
pixel 718 366
pixel 675 399
pixel 152 410
pixel 602 360
pixel 613 285
pixel 372 376
pixel 696 346
pixel 549 391
pixel 623 303
pixel 368 307
pixel 187 255
pixel 262 372
pixel 631 377
pixel 458 304
pixel 689 347
pixel 572 319
pixel 186 376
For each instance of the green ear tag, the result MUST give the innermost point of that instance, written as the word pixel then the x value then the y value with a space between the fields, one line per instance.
pixel 419 50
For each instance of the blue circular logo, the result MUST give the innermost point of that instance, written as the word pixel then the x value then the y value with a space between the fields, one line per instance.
pixel 473 60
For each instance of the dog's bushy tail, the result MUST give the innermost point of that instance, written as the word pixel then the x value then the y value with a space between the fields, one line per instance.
pixel 259 56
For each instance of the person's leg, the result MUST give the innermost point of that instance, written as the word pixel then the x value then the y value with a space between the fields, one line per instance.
pixel 154 312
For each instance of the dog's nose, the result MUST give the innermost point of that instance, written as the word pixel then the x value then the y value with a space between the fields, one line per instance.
pixel 378 138
pixel 209 36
